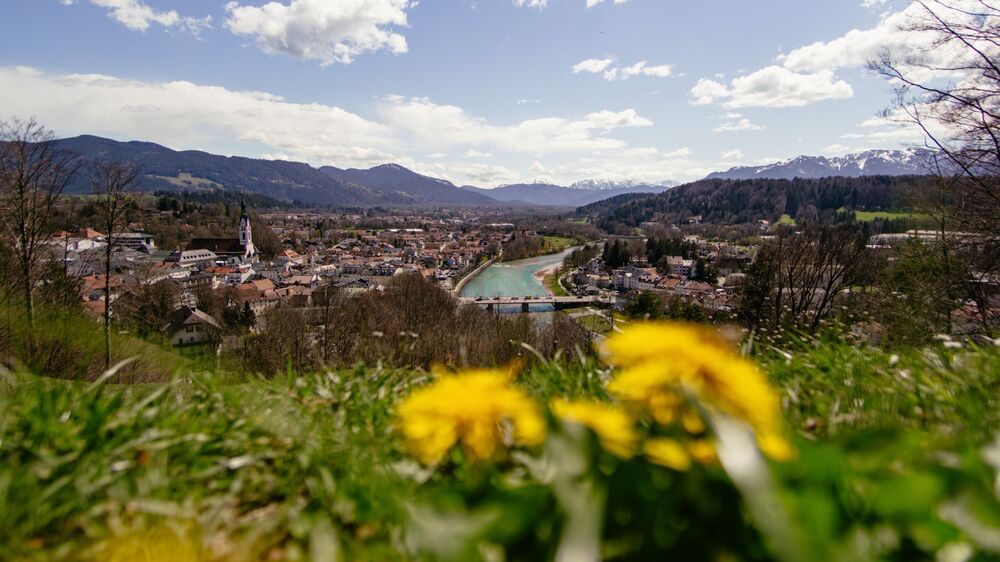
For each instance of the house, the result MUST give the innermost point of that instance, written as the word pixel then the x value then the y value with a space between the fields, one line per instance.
pixel 135 240
pixel 288 257
pixel 187 258
pixel 354 286
pixel 190 326
pixel 295 295
pixel 680 266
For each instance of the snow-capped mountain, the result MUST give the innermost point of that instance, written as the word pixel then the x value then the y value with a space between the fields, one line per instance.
pixel 610 185
pixel 909 161
pixel 561 196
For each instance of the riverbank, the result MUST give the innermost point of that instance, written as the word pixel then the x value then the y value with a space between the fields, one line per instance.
pixel 549 245
pixel 549 278
pixel 517 278
pixel 472 275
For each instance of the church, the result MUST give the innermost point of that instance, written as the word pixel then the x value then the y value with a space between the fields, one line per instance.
pixel 241 248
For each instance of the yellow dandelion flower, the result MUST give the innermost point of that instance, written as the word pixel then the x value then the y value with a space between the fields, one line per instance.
pixel 175 543
pixel 652 387
pixel 615 429
pixel 667 452
pixel 775 446
pixel 703 451
pixel 692 422
pixel 478 410
pixel 660 362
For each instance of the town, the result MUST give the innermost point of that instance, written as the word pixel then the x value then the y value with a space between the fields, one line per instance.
pixel 208 288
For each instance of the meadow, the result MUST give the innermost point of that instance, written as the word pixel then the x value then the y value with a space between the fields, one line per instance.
pixel 875 456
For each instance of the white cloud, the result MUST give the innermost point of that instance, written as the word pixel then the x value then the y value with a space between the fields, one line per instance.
pixel 592 3
pixel 773 86
pixel 837 149
pixel 805 75
pixel 736 122
pixel 638 69
pixel 608 120
pixel 443 126
pixel 185 115
pixel 473 153
pixel 528 101
pixel 641 68
pixel 321 30
pixel 708 91
pixel 894 34
pixel 644 164
pixel 539 4
pixel 435 139
pixel 592 65
pixel 895 128
pixel 137 16
pixel 732 155
pixel 480 174
pixel 538 168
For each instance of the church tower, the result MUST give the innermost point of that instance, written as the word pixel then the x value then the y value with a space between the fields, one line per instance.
pixel 246 238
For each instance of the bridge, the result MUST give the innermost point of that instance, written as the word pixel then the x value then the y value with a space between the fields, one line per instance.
pixel 526 302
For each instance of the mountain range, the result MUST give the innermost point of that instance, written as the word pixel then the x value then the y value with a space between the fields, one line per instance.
pixel 577 195
pixel 394 185
pixel 906 162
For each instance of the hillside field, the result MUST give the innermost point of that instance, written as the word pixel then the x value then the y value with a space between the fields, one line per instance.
pixel 314 466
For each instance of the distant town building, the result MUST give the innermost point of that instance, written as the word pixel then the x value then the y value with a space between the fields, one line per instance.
pixel 241 247
pixel 135 240
pixel 190 326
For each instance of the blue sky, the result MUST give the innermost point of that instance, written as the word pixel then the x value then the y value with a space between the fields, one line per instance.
pixel 483 92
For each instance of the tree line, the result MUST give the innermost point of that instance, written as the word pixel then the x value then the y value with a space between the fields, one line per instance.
pixel 748 201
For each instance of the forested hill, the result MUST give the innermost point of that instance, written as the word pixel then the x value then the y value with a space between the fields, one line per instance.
pixel 744 201
pixel 192 170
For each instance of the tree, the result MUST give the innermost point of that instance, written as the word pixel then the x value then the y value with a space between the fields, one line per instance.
pixel 33 174
pixel 616 254
pixel 283 343
pixel 795 278
pixel 645 305
pixel 111 184
pixel 680 308
pixel 704 272
pixel 948 85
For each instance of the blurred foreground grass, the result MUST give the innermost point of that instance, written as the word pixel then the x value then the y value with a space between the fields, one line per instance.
pixel 891 466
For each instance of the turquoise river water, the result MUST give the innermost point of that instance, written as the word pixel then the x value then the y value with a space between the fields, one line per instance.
pixel 513 278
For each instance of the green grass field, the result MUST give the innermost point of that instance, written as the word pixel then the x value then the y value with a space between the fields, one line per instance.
pixel 552 284
pixel 558 243
pixel 595 323
pixel 869 216
pixel 890 466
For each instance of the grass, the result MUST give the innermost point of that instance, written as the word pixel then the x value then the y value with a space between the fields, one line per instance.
pixel 72 347
pixel 869 216
pixel 552 284
pixel 595 323
pixel 555 244
pixel 839 389
pixel 288 469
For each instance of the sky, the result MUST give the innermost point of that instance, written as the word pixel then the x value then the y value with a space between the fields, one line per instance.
pixel 479 92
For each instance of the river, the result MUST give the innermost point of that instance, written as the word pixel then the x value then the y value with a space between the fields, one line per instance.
pixel 514 278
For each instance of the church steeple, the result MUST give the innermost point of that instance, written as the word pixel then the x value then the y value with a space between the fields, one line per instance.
pixel 246 237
